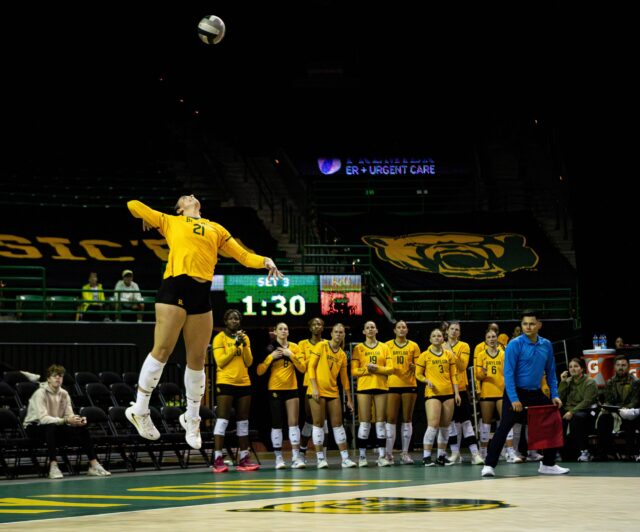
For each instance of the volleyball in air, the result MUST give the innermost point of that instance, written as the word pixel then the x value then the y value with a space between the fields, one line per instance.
pixel 211 29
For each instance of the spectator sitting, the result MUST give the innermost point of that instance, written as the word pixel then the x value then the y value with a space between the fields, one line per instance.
pixel 619 344
pixel 50 418
pixel 623 391
pixel 578 394
pixel 93 300
pixel 127 295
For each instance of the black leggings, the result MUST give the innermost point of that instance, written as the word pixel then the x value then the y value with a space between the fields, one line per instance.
pixel 56 435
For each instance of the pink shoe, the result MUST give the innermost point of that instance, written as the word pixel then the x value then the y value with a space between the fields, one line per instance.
pixel 247 465
pixel 219 466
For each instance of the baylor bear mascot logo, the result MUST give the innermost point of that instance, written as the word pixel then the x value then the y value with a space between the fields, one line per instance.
pixel 456 254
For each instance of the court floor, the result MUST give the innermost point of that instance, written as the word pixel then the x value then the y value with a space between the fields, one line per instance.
pixel 595 496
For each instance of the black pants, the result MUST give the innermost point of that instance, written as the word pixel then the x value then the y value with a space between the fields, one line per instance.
pixel 56 435
pixel 581 425
pixel 510 418
pixel 605 434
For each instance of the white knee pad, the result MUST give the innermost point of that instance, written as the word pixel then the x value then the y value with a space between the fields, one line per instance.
pixel 339 435
pixel 381 431
pixel 242 427
pixel 318 436
pixel 307 430
pixel 221 427
pixel 294 435
pixel 467 429
pixel 429 435
pixel 276 438
pixel 443 436
pixel 485 429
pixel 363 430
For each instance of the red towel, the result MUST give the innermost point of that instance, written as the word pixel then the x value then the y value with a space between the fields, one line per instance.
pixel 545 427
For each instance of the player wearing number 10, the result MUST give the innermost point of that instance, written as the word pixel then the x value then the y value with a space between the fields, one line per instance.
pixel 183 305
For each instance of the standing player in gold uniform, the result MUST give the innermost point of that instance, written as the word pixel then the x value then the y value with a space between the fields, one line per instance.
pixel 436 367
pixel 402 389
pixel 371 363
pixel 316 328
pixel 461 424
pixel 183 305
pixel 283 359
pixel 326 362
pixel 232 353
pixel 489 366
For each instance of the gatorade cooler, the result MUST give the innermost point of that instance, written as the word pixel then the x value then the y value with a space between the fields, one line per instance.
pixel 600 366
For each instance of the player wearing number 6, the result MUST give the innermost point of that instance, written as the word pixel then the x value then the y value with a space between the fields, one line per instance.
pixel 283 359
pixel 183 305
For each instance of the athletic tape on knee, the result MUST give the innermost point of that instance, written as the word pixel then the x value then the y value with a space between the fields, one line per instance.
pixel 307 430
pixel 326 427
pixel 220 427
pixel 429 436
pixel 318 436
pixel 381 432
pixel 150 373
pixel 443 436
pixel 363 430
pixel 467 429
pixel 276 438
pixel 242 427
pixel 294 435
pixel 339 435
pixel 485 429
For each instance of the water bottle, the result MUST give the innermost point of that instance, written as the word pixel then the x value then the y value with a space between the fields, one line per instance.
pixel 596 342
pixel 603 341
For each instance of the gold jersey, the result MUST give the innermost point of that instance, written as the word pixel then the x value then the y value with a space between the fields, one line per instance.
pixel 440 370
pixel 462 351
pixel 232 361
pixel 194 243
pixel 402 357
pixel 493 384
pixel 325 364
pixel 306 347
pixel 283 370
pixel 379 355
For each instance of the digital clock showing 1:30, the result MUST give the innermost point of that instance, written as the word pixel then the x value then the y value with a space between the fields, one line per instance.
pixel 256 295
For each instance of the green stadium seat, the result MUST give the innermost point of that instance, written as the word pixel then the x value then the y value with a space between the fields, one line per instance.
pixel 62 307
pixel 28 305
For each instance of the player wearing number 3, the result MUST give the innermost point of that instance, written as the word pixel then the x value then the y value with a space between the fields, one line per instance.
pixel 183 305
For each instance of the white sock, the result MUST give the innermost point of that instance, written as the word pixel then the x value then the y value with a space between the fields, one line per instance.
pixel 194 381
pixel 407 433
pixel 391 437
pixel 150 374
pixel 344 454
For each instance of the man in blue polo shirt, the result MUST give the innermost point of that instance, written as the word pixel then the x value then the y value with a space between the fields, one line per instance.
pixel 527 358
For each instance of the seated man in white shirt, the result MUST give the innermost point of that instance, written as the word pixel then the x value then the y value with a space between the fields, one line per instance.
pixel 127 296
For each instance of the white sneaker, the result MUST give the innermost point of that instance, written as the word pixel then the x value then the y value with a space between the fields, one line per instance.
pixel 584 456
pixel 383 462
pixel 143 424
pixel 192 430
pixel 455 458
pixel 323 464
pixel 534 456
pixel 406 459
pixel 389 458
pixel 488 471
pixel 98 471
pixel 513 458
pixel 54 471
pixel 552 470
pixel 362 462
pixel 476 459
pixel 298 463
pixel 280 463
pixel 348 463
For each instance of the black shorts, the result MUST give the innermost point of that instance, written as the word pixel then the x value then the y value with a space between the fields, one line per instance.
pixel 462 412
pixel 283 395
pixel 185 292
pixel 403 389
pixel 373 391
pixel 233 390
pixel 491 399
pixel 310 397
pixel 441 398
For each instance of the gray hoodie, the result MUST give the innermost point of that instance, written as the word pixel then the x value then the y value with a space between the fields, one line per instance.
pixel 48 407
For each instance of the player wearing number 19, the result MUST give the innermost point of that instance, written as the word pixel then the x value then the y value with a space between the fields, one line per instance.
pixel 183 305
pixel 283 359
